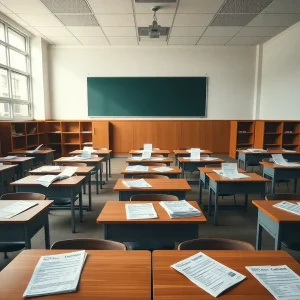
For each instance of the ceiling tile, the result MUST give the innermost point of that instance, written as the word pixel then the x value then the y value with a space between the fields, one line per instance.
pixel 284 7
pixel 188 40
pixel 86 30
pixel 53 31
pixel 111 6
pixel 26 6
pixel 232 19
pixel 199 6
pixel 64 40
pixel 119 31
pixel 67 6
pixel 243 40
pixel 78 20
pixel 260 31
pixel 213 40
pixel 167 8
pixel 18 20
pixel 122 40
pixel 144 20
pixel 93 40
pixel 275 20
pixel 245 6
pixel 193 19
pixel 187 31
pixel 115 20
pixel 5 10
pixel 40 20
pixel 222 30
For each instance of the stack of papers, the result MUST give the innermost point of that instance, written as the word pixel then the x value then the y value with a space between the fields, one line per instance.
pixel 180 209
pixel 282 282
pixel 209 158
pixel 16 208
pixel 195 153
pixel 9 157
pixel 292 151
pixel 89 149
pixel 157 158
pixel 207 273
pixel 163 169
pixel 230 170
pixel 137 168
pixel 46 180
pixel 279 160
pixel 140 211
pixel 139 183
pixel 49 168
pixel 56 274
pixel 148 147
pixel 35 150
pixel 256 150
pixel 1 164
pixel 146 154
pixel 288 206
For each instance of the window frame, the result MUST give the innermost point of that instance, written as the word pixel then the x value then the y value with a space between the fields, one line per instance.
pixel 10 100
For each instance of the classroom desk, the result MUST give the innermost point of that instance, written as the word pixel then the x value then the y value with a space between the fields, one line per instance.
pixel 183 153
pixel 170 284
pixel 165 153
pixel 66 188
pixel 106 154
pixel 176 187
pixel 278 172
pixel 44 157
pixel 24 164
pixel 219 185
pixel 248 157
pixel 106 275
pixel 162 229
pixel 174 173
pixel 165 160
pixel 95 162
pixel 24 226
pixel 7 172
pixel 81 171
pixel 204 180
pixel 278 223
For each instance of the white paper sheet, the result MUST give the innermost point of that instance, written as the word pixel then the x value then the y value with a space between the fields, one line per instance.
pixel 209 158
pixel 279 160
pixel 146 154
pixel 288 206
pixel 163 169
pixel 256 150
pixel 35 150
pixel 139 183
pixel 9 157
pixel 289 151
pixel 195 153
pixel 230 170
pixel 148 147
pixel 1 164
pixel 56 274
pixel 180 209
pixel 50 168
pixel 140 211
pixel 16 208
pixel 46 180
pixel 210 275
pixel 86 154
pixel 282 282
pixel 137 168
pixel 157 158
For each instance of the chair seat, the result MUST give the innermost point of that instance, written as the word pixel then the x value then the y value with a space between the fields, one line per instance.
pixel 291 245
pixel 11 247
pixel 62 201
pixel 150 246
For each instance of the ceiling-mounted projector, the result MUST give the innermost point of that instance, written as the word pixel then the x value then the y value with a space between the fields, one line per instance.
pixel 154 29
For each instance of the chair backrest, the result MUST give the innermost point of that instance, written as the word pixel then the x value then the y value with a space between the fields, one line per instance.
pixel 215 244
pixel 153 197
pixel 88 244
pixel 142 148
pixel 275 148
pixel 213 166
pixel 154 176
pixel 23 196
pixel 282 197
pixel 184 148
pixel 154 164
pixel 74 164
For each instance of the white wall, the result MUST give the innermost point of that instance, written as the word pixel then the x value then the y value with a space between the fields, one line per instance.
pixel 231 72
pixel 280 85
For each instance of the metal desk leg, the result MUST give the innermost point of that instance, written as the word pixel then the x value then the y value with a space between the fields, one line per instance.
pixel 295 186
pixel 90 195
pixel 80 207
pixel 101 169
pixel 73 211
pixel 246 202
pixel 109 163
pixel 278 239
pixel 216 208
pixel 209 201
pixel 106 171
pixel 258 236
pixel 273 185
pixel 27 238
pixel 47 234
pixel 97 180
pixel 200 192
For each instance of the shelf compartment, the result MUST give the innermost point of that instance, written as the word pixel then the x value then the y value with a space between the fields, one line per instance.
pixel 273 127
pixel 53 138
pixel 86 138
pixel 70 127
pixel 245 126
pixel 31 128
pixel 67 148
pixel 290 139
pixel 32 140
pixel 70 138
pixel 42 139
pixel 17 127
pixel 41 127
pixel 19 143
pixel 85 126
pixel 53 127
pixel 291 126
pixel 272 139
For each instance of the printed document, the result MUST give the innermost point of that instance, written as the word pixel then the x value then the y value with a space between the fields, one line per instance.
pixel 157 158
pixel 209 158
pixel 180 209
pixel 140 211
pixel 210 275
pixel 148 147
pixel 288 206
pixel 16 208
pixel 1 164
pixel 137 168
pixel 9 157
pixel 49 168
pixel 256 150
pixel 289 151
pixel 163 169
pixel 230 170
pixel 139 183
pixel 282 282
pixel 90 149
pixel 56 274
pixel 279 160
pixel 35 150
pixel 195 153
pixel 46 180
pixel 146 154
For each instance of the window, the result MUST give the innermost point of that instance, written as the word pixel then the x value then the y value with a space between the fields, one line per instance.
pixel 15 100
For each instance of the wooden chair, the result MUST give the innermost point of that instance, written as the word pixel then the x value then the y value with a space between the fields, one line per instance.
pixel 215 244
pixel 283 197
pixel 16 246
pixel 154 164
pixel 153 176
pixel 153 197
pixel 88 244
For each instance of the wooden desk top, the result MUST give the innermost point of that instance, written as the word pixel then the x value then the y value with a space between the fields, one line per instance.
pixel 106 275
pixel 79 171
pixel 276 214
pixel 178 152
pixel 68 160
pixel 35 152
pixel 153 152
pixel 114 212
pixel 138 162
pixel 175 170
pixel 201 160
pixel 211 170
pixel 7 167
pixel 96 152
pixel 16 160
pixel 26 215
pixel 170 284
pixel 268 152
pixel 253 177
pixel 275 166
pixel 31 181
pixel 157 185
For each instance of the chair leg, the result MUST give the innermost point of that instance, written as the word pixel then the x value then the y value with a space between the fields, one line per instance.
pixel 234 199
pixel 5 255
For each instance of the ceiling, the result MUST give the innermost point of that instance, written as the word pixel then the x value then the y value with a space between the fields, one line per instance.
pixel 116 22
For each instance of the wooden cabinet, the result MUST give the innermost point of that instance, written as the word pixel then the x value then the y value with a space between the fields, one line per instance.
pixel 100 134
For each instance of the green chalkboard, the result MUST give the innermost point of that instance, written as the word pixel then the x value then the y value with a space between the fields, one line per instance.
pixel 147 96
